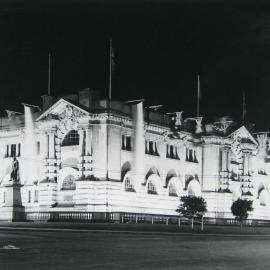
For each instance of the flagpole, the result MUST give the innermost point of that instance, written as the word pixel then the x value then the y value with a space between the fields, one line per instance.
pixel 244 108
pixel 198 97
pixel 110 78
pixel 107 131
pixel 49 76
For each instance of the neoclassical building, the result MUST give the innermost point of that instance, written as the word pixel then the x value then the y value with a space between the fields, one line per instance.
pixel 85 155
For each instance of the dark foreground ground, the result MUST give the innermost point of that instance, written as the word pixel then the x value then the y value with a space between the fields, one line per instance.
pixel 77 247
pixel 104 249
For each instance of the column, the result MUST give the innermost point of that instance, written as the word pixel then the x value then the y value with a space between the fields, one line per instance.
pixel 87 142
pixel 18 149
pixel 229 160
pixel 44 146
pixel 7 150
pixel 51 145
pixel 147 146
pixel 224 160
pixel 124 141
pixel 81 142
pixel 245 163
pixel 249 163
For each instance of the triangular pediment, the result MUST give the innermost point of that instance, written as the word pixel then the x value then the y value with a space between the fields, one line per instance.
pixel 62 109
pixel 243 134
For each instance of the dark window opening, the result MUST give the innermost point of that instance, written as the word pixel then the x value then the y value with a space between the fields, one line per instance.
pixel 7 152
pixel 128 143
pixel 172 152
pixel 13 150
pixel 19 150
pixel 151 149
pixel 72 138
pixel 38 148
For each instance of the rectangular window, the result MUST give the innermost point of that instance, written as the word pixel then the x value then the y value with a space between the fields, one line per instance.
pixel 151 148
pixel 36 196
pixel 126 142
pixel 195 157
pixel 191 155
pixel 13 150
pixel 172 151
pixel 38 148
pixel 4 197
pixel 19 150
pixel 123 142
pixel 7 151
pixel 29 196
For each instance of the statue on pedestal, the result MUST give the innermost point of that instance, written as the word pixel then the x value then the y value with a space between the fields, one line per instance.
pixel 15 169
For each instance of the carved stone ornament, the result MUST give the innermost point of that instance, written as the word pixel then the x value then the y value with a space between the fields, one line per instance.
pixel 178 118
pixel 268 144
pixel 236 147
pixel 175 136
pixel 222 126
pixel 262 139
pixel 198 121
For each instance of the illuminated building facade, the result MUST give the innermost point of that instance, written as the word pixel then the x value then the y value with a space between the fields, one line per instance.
pixel 94 156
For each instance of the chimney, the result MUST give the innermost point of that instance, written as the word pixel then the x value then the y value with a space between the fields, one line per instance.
pixel 47 102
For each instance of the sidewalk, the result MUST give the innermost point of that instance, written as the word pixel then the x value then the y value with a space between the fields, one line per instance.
pixel 151 228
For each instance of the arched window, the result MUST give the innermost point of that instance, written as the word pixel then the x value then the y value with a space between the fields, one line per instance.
pixel 72 138
pixel 151 188
pixel 129 185
pixel 172 190
pixel 69 183
pixel 194 188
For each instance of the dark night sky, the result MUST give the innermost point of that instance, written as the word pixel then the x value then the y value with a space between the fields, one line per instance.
pixel 160 47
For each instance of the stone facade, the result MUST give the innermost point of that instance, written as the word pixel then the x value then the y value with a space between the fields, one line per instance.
pixel 85 158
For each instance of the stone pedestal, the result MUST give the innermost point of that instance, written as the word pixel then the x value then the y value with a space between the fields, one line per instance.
pixel 12 210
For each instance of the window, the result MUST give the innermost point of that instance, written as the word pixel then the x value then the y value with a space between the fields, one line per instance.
pixel 7 151
pixel 69 183
pixel 129 185
pixel 72 138
pixel 19 150
pixel 13 150
pixel 29 196
pixel 36 196
pixel 151 148
pixel 4 197
pixel 191 155
pixel 172 151
pixel 38 148
pixel 126 142
pixel 151 188
pixel 172 190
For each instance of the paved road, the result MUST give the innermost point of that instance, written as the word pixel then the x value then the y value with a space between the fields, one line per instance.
pixel 121 250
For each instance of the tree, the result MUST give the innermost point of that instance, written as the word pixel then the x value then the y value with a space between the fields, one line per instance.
pixel 240 209
pixel 192 207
